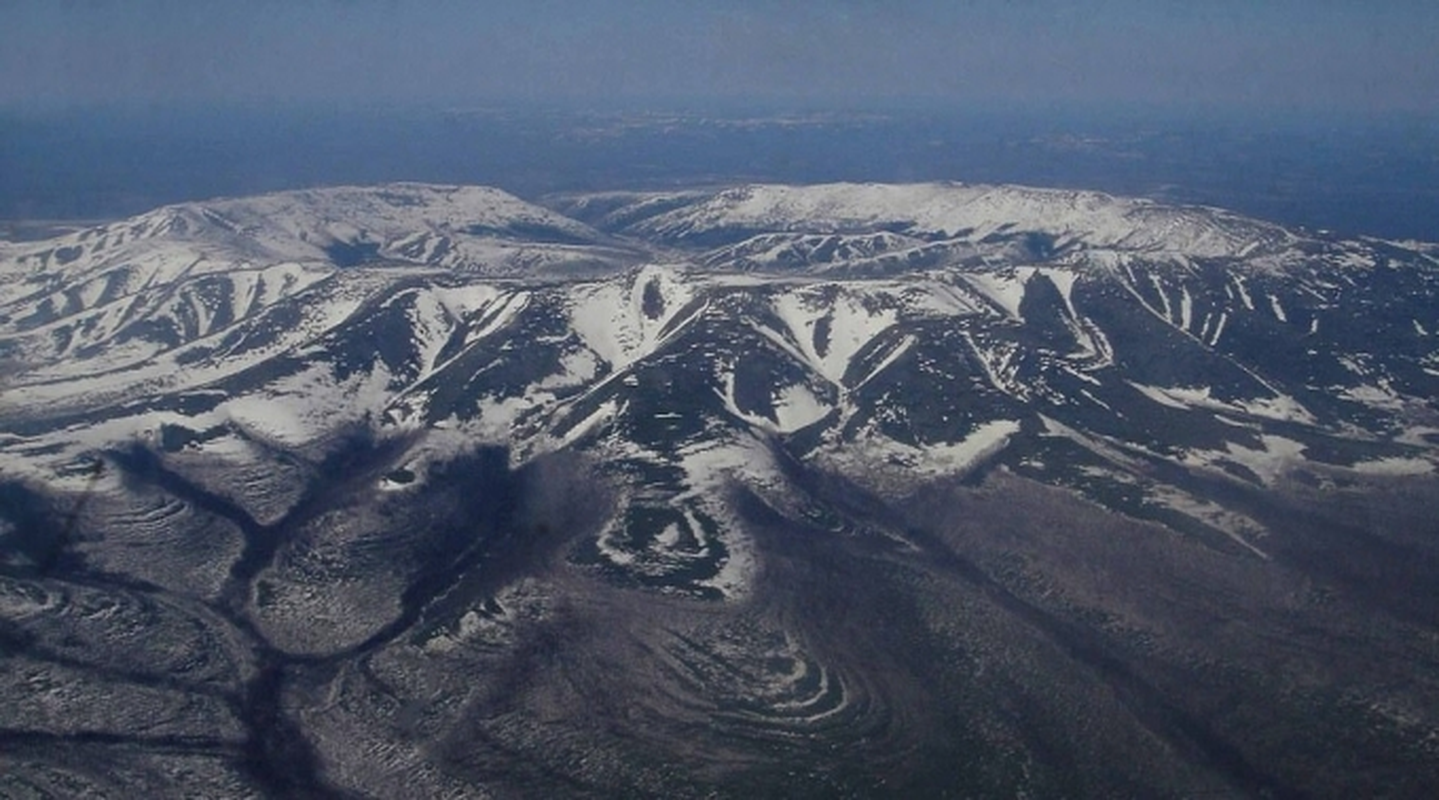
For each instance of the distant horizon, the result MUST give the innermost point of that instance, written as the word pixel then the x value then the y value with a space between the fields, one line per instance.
pixel 1116 111
pixel 1366 174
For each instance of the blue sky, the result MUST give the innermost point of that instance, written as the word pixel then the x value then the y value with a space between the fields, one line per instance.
pixel 1321 54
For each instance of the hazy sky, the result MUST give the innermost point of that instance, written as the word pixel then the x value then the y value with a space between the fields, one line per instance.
pixel 1349 56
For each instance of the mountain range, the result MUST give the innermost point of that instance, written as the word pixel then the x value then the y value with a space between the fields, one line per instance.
pixel 798 490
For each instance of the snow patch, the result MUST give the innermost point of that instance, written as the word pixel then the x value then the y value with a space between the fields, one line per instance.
pixel 852 324
pixel 882 464
pixel 797 407
pixel 1005 291
pixel 1278 309
pixel 1276 456
pixel 623 323
pixel 1395 467
pixel 1280 407
pixel 1243 292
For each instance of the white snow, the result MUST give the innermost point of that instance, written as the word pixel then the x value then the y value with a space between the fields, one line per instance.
pixel 983 441
pixel 603 413
pixel 1276 456
pixel 1379 395
pixel 935 297
pixel 882 464
pixel 1006 291
pixel 1064 281
pixel 1278 309
pixel 797 407
pixel 1219 329
pixel 1243 292
pixel 890 357
pixel 853 324
pixel 1094 219
pixel 578 368
pixel 81 382
pixel 499 314
pixel 610 316
pixel 1396 466
pixel 1278 407
pixel 1163 297
pixel 299 409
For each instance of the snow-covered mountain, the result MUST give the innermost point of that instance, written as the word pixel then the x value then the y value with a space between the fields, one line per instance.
pixel 860 325
pixel 246 393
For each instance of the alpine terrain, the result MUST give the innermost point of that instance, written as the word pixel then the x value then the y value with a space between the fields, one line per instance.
pixel 838 490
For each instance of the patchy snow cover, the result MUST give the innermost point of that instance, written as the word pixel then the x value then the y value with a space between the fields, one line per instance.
pixel 848 322
pixel 795 406
pixel 1005 291
pixel 295 410
pixel 1270 462
pixel 1278 407
pixel 623 322
pixel 1396 466
pixel 202 267
pixel 1096 219
pixel 710 468
pixel 102 328
pixel 882 464
pixel 1000 363
pixel 1238 527
pixel 82 382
